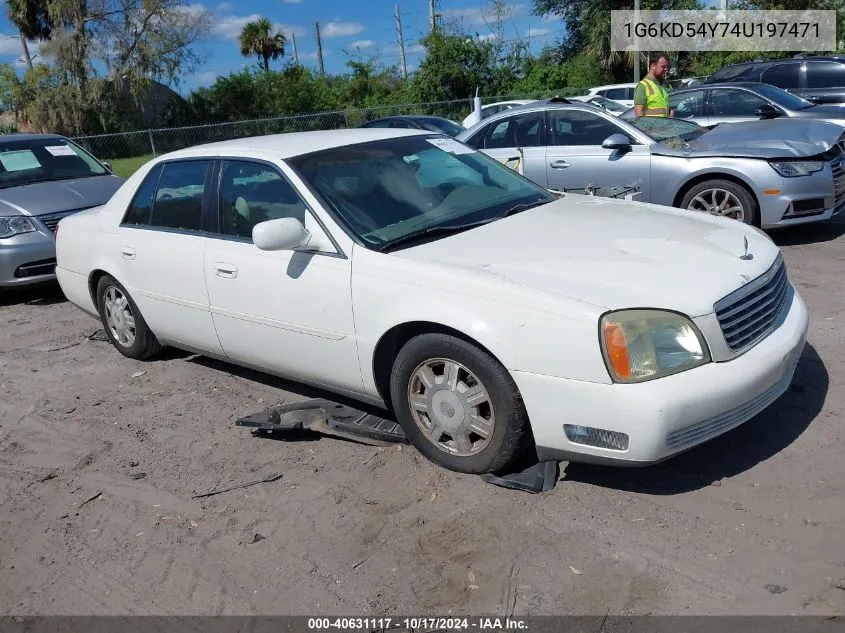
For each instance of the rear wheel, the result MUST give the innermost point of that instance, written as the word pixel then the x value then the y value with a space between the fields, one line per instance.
pixel 123 323
pixel 458 405
pixel 725 198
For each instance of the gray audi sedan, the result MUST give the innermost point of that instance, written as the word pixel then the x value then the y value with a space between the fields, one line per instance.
pixel 43 178
pixel 771 173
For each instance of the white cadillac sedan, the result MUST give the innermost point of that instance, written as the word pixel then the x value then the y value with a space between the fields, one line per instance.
pixel 404 269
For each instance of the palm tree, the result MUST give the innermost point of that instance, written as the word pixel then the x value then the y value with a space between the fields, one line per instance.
pixel 257 38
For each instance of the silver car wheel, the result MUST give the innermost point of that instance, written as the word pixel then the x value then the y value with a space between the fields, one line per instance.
pixel 119 316
pixel 718 202
pixel 451 407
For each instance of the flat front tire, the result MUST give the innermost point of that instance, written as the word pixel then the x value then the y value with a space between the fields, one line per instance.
pixel 122 320
pixel 458 405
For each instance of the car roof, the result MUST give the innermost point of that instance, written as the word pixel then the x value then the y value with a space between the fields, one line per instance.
pixel 725 84
pixel 410 117
pixel 628 85
pixel 295 143
pixel 18 136
pixel 742 68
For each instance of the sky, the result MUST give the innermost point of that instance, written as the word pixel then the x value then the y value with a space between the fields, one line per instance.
pixel 360 29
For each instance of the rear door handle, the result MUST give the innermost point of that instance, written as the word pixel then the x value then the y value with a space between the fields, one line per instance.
pixel 559 164
pixel 227 271
pixel 127 252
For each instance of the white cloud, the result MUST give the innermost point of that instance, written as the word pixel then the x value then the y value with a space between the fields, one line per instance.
pixel 206 78
pixel 223 6
pixel 475 15
pixel 12 46
pixel 363 44
pixel 536 32
pixel 230 26
pixel 415 49
pixel 193 9
pixel 341 29
pixel 488 36
pixel 314 55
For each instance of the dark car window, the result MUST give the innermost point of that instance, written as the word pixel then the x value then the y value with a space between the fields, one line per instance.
pixel 784 76
pixel 782 97
pixel 726 102
pixel 405 124
pixel 522 130
pixel 178 200
pixel 576 127
pixel 825 75
pixel 442 125
pixel 619 93
pixel 386 123
pixel 687 105
pixel 26 161
pixel 251 193
pixel 142 203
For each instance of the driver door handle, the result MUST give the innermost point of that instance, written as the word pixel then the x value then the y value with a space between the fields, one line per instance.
pixel 558 164
pixel 227 271
pixel 127 252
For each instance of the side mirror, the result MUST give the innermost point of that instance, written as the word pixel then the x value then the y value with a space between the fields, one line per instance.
pixel 107 165
pixel 616 141
pixel 284 234
pixel 767 111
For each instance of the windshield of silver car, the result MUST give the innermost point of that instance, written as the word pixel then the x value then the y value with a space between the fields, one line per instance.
pixel 27 161
pixel 391 191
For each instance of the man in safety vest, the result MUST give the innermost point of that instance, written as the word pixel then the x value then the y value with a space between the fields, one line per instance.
pixel 650 96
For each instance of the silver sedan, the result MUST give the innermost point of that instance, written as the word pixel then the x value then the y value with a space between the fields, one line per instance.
pixel 770 174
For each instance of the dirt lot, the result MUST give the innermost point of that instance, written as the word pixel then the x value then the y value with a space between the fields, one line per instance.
pixel 99 463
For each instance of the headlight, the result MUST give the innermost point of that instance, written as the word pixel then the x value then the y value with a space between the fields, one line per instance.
pixel 791 169
pixel 15 225
pixel 641 345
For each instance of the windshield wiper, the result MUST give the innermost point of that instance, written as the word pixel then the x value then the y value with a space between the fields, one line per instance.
pixel 451 229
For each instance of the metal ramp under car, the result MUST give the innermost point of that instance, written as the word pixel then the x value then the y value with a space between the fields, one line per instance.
pixel 338 420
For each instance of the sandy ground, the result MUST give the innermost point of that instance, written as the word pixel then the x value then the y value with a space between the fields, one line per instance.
pixel 99 463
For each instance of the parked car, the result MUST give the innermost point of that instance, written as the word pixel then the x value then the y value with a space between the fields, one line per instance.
pixel 418 122
pixel 744 101
pixel 621 93
pixel 771 173
pixel 404 269
pixel 820 80
pixel 43 178
pixel 613 107
pixel 492 109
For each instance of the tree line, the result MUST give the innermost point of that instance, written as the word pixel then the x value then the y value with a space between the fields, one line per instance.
pixel 108 60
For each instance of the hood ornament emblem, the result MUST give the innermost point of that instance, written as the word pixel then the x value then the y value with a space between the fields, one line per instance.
pixel 747 255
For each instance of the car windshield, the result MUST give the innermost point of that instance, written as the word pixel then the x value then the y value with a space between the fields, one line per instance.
pixel 782 97
pixel 390 190
pixel 608 104
pixel 443 125
pixel 27 161
pixel 668 130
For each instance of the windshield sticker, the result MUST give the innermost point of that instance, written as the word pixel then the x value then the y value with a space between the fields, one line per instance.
pixel 60 150
pixel 449 145
pixel 19 160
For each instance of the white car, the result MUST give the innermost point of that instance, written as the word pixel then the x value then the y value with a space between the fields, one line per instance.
pixel 493 108
pixel 404 269
pixel 608 105
pixel 621 93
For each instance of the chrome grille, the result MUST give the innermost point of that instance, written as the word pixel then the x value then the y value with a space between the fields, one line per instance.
pixel 51 220
pixel 748 314
pixel 837 166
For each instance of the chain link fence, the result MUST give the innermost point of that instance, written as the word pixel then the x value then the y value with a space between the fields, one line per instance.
pixel 127 151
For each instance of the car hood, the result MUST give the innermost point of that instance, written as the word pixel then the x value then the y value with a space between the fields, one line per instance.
pixel 612 254
pixel 772 138
pixel 55 196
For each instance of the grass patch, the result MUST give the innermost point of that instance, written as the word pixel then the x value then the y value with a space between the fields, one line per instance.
pixel 125 167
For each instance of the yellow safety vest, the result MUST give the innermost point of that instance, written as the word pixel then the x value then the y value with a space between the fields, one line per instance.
pixel 657 99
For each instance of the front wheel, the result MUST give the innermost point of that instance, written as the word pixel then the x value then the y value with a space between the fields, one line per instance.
pixel 722 197
pixel 122 320
pixel 458 405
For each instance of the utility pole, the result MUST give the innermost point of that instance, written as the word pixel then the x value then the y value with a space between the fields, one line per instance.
pixel 636 43
pixel 319 48
pixel 26 55
pixel 401 42
pixel 432 14
pixel 295 55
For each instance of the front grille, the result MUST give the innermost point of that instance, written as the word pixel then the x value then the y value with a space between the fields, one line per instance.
pixel 748 314
pixel 33 269
pixel 51 220
pixel 838 169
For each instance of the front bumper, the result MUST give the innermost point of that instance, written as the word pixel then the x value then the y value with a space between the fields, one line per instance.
pixel 669 415
pixel 800 200
pixel 29 258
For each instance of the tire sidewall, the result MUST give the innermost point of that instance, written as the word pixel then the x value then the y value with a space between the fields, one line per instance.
pixel 751 210
pixel 489 372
